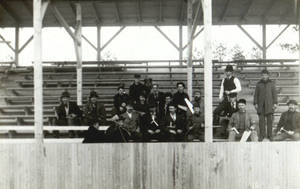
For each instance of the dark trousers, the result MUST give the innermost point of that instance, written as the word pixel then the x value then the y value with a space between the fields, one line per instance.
pixel 262 126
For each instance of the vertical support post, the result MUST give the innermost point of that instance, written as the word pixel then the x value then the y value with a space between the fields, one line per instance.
pixel 17 39
pixel 180 45
pixel 190 48
pixel 264 41
pixel 38 93
pixel 298 18
pixel 98 42
pixel 208 93
pixel 78 50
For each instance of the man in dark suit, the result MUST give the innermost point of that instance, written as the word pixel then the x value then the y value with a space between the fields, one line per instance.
pixel 141 105
pixel 265 102
pixel 175 124
pixel 157 98
pixel 289 123
pixel 152 125
pixel 94 111
pixel 165 107
pixel 121 99
pixel 178 99
pixel 68 113
pixel 136 89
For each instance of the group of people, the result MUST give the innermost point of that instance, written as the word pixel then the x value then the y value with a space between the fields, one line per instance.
pixel 147 114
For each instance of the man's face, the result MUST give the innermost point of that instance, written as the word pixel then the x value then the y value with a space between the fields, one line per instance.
pixel 142 98
pixel 93 100
pixel 172 109
pixel 242 107
pixel 292 107
pixel 180 88
pixel 228 73
pixel 137 80
pixel 65 100
pixel 121 91
pixel 197 96
pixel 129 109
pixel 155 88
pixel 152 111
pixel 168 99
pixel 265 76
pixel 197 109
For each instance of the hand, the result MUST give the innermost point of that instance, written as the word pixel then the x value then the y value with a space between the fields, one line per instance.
pixel 172 131
pixel 151 132
pixel 256 106
pixel 227 92
pixel 278 133
pixel 274 106
pixel 291 132
pixel 157 131
pixel 179 131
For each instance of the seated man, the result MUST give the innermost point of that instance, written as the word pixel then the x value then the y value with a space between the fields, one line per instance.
pixel 175 124
pixel 94 111
pixel 120 100
pixel 195 124
pixel 157 98
pixel 241 121
pixel 141 105
pixel 165 106
pixel 68 113
pixel 289 123
pixel 129 124
pixel 152 125
pixel 198 100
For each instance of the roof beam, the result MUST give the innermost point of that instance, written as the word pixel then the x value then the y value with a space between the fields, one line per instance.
pixel 139 10
pixel 97 15
pixel 113 37
pixel 10 11
pixel 223 14
pixel 267 10
pixel 250 37
pixel 7 43
pixel 280 33
pixel 28 6
pixel 166 37
pixel 245 12
pixel 117 11
pixel 161 11
pixel 180 15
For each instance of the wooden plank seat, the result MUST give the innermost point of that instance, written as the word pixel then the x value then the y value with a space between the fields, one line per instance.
pixel 49 128
pixel 46 140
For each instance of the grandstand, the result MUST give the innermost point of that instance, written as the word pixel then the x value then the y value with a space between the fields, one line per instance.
pixel 28 94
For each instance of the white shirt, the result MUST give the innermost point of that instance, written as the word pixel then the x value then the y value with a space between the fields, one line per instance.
pixel 129 115
pixel 236 90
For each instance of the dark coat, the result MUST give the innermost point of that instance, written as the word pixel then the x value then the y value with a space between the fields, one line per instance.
pixel 135 91
pixel 95 114
pixel 119 99
pixel 295 122
pixel 93 135
pixel 147 123
pixel 265 96
pixel 179 123
pixel 62 116
pixel 158 100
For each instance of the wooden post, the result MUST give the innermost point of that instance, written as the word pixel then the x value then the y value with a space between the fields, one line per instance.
pixel 180 45
pixel 17 39
pixel 78 50
pixel 190 48
pixel 298 19
pixel 208 93
pixel 98 43
pixel 38 93
pixel 264 41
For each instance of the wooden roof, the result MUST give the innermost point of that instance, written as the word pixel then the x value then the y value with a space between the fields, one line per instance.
pixel 149 12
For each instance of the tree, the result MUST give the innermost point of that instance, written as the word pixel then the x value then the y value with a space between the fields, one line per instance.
pixel 220 52
pixel 291 47
pixel 256 53
pixel 237 53
pixel 109 56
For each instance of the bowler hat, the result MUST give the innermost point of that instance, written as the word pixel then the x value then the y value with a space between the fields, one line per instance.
pixel 243 101
pixel 65 94
pixel 229 68
pixel 93 94
pixel 292 102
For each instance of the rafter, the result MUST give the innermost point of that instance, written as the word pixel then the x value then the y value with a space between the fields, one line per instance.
pixel 181 8
pixel 10 11
pixel 245 12
pixel 117 11
pixel 267 10
pixel 97 15
pixel 139 10
pixel 28 6
pixel 223 14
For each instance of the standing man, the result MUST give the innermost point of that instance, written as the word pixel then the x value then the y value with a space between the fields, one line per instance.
pixel 157 98
pixel 289 123
pixel 178 99
pixel 136 89
pixel 230 87
pixel 265 102
pixel 240 122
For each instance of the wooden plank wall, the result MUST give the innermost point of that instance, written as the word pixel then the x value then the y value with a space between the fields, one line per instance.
pixel 154 166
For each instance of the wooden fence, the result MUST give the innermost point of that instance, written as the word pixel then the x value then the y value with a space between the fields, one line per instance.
pixel 152 166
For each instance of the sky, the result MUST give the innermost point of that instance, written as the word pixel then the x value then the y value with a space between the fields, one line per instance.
pixel 143 43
